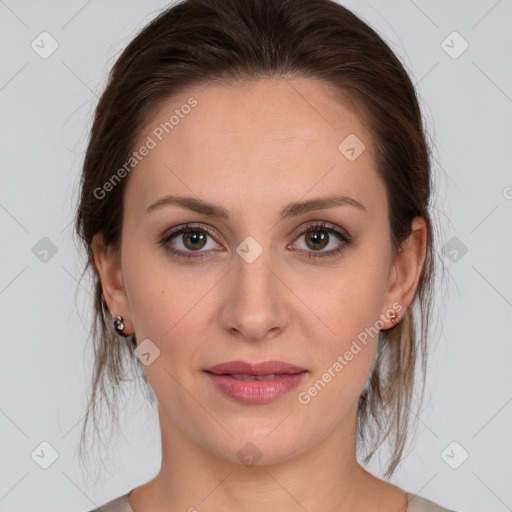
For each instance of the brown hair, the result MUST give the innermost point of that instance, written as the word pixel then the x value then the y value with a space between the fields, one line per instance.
pixel 222 41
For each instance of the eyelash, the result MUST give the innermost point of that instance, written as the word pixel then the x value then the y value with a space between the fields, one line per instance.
pixel 320 226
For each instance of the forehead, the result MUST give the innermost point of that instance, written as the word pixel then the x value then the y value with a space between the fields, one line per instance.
pixel 285 110
pixel 266 137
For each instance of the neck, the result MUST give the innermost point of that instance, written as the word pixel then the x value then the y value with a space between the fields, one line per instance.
pixel 193 478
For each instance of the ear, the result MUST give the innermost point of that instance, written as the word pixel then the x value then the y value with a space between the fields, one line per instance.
pixel 108 265
pixel 407 268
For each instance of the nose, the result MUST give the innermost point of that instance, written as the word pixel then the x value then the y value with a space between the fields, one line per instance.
pixel 256 299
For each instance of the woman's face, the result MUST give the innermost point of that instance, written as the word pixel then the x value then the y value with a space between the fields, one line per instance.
pixel 259 282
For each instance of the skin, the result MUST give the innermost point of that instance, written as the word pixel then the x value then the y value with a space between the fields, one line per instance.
pixel 253 148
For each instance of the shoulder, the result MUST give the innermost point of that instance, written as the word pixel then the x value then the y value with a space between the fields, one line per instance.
pixel 416 504
pixel 120 504
pixel 419 504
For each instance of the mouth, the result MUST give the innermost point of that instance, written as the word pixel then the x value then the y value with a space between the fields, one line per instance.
pixel 255 383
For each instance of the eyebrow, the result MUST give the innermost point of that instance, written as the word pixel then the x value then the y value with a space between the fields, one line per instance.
pixel 290 210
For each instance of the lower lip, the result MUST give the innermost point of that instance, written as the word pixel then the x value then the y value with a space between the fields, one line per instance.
pixel 256 391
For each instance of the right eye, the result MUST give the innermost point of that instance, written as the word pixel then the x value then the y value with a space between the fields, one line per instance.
pixel 190 239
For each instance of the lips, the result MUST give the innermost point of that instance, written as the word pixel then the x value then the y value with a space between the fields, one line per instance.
pixel 255 383
pixel 244 370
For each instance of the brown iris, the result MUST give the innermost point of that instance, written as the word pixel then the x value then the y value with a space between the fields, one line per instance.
pixel 317 237
pixel 193 238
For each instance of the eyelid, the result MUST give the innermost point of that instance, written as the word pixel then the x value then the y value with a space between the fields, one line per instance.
pixel 322 224
pixel 170 233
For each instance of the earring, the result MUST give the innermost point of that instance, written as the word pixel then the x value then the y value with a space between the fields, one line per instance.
pixel 394 317
pixel 119 325
pixel 119 328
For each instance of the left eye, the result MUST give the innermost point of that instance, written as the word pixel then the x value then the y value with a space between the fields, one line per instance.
pixel 318 239
pixel 318 236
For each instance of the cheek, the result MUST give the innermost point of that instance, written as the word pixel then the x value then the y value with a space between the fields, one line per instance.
pixel 154 287
pixel 166 309
pixel 350 306
pixel 169 304
pixel 351 302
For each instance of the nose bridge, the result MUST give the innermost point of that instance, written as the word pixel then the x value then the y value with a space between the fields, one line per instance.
pixel 251 271
pixel 255 303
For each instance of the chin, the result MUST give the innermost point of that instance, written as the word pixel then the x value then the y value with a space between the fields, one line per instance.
pixel 258 450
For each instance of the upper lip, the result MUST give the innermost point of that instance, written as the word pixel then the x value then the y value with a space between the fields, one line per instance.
pixel 261 368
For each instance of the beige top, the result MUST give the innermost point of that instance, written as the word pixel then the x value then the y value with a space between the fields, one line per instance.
pixel 416 504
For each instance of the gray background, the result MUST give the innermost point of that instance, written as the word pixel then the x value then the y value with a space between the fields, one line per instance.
pixel 46 106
